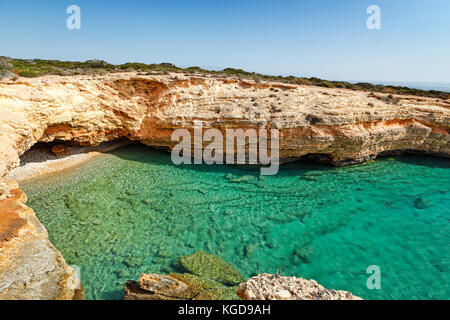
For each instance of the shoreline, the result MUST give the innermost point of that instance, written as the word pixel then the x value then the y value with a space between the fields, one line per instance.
pixel 40 161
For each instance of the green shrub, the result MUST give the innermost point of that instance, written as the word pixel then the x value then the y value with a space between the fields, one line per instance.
pixel 96 63
pixel 4 65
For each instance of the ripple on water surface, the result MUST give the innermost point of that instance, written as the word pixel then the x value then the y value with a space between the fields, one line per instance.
pixel 132 211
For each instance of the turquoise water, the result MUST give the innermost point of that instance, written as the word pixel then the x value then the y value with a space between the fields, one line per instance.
pixel 132 211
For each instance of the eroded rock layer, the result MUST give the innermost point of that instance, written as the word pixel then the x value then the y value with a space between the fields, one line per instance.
pixel 30 266
pixel 333 125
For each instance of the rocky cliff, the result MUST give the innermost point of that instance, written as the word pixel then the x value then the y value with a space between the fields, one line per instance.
pixel 333 125
pixel 30 266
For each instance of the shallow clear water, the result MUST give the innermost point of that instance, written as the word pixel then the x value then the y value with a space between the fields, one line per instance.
pixel 132 211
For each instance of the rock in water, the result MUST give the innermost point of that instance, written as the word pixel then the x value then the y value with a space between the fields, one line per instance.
pixel 304 253
pixel 134 292
pixel 177 287
pixel 133 262
pixel 276 287
pixel 421 203
pixel 210 266
pixel 156 287
pixel 241 179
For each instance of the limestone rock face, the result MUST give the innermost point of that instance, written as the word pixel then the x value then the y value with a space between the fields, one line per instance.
pixel 333 125
pixel 30 266
pixel 275 287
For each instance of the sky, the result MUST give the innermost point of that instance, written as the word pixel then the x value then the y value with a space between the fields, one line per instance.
pixel 328 39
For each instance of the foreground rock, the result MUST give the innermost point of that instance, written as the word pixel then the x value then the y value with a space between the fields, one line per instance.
pixel 30 266
pixel 177 286
pixel 156 287
pixel 276 287
pixel 206 277
pixel 204 280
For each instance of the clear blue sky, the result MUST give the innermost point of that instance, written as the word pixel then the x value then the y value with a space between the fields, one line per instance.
pixel 323 38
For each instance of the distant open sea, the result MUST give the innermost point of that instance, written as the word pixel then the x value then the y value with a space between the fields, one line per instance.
pixel 439 86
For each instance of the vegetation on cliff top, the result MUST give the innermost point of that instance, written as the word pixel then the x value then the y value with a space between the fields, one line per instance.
pixel 40 67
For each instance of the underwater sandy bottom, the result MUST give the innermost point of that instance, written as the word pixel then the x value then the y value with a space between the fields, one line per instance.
pixel 133 211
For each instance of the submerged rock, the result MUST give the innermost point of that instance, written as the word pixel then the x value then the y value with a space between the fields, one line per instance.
pixel 133 262
pixel 164 252
pixel 210 266
pixel 250 248
pixel 207 278
pixel 276 287
pixel 310 178
pixel 147 201
pixel 177 286
pixel 121 273
pixel 285 217
pixel 225 293
pixel 304 253
pixel 260 184
pixel 421 203
pixel 241 179
pixel 206 289
pixel 265 227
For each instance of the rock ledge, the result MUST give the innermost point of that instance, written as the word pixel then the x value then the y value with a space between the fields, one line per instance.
pixel 275 287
